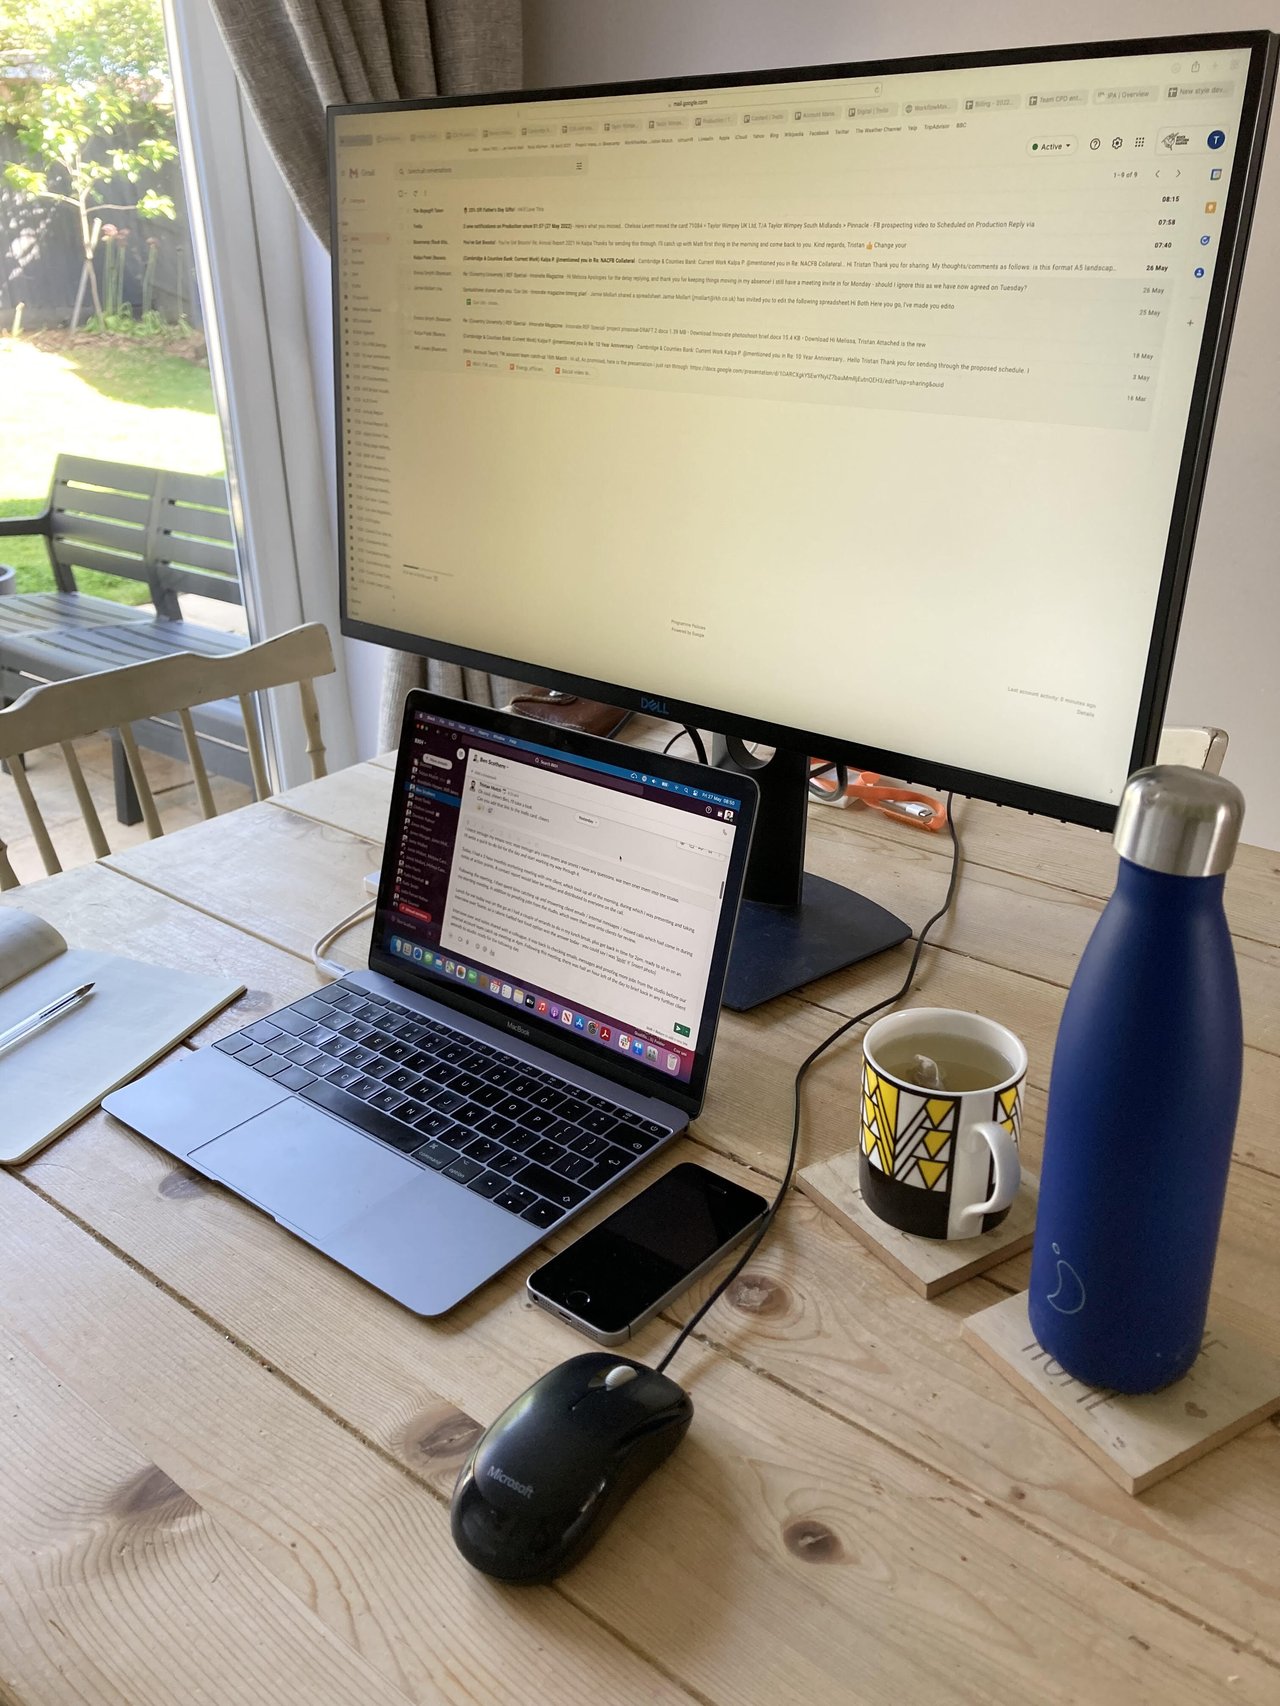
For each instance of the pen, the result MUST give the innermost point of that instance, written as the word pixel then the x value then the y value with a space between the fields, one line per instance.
pixel 42 1015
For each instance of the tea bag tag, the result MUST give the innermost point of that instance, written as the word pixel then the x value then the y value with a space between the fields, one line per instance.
pixel 924 1072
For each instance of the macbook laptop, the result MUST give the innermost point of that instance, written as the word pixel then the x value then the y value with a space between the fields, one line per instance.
pixel 549 949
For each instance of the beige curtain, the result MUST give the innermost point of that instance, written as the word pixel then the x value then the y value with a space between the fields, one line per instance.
pixel 405 670
pixel 293 58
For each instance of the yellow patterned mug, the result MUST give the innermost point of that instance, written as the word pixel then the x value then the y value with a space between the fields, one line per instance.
pixel 940 1162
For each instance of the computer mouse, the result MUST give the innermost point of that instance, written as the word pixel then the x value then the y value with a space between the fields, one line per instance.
pixel 544 1482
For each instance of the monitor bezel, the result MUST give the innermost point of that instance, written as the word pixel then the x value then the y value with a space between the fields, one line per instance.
pixel 1220 311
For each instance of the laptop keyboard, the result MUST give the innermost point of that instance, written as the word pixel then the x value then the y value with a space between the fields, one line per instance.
pixel 526 1139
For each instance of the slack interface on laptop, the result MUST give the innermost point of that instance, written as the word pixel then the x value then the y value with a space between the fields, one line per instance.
pixel 584 894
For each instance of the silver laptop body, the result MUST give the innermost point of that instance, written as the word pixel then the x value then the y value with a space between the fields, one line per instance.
pixel 549 949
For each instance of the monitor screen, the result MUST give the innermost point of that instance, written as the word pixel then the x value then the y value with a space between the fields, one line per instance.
pixel 862 409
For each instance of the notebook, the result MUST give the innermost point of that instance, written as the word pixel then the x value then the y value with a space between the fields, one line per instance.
pixel 55 1075
pixel 548 956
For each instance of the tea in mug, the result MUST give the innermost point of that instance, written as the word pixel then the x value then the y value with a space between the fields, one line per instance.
pixel 963 1063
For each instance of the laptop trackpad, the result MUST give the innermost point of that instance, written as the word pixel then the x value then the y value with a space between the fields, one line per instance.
pixel 304 1167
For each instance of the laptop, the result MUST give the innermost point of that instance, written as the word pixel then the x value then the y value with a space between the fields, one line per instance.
pixel 549 949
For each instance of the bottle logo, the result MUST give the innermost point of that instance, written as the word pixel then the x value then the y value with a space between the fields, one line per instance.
pixel 1068 1296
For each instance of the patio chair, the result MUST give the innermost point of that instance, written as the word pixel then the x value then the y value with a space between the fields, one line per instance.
pixel 172 533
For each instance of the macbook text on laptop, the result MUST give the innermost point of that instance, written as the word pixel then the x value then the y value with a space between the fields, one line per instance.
pixel 549 950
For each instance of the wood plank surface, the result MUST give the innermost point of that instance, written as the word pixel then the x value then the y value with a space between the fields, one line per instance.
pixel 357 800
pixel 1136 1440
pixel 734 1541
pixel 1069 856
pixel 930 1266
pixel 120 1588
pixel 96 907
pixel 864 1511
pixel 348 1534
pixel 280 876
pixel 1004 919
pixel 1005 922
pixel 815 1313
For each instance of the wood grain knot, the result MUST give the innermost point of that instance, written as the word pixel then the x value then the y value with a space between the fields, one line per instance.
pixel 757 1294
pixel 1194 1409
pixel 808 1539
pixel 439 1438
pixel 179 1183
pixel 148 1491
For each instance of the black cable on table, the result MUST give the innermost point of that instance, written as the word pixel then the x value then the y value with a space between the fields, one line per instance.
pixel 848 1024
pixel 694 736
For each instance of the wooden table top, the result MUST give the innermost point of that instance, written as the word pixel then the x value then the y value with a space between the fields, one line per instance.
pixel 227 1462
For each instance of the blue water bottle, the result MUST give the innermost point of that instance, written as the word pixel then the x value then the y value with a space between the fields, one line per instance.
pixel 1143 1098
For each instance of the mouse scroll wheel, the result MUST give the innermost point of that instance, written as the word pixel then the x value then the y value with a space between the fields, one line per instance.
pixel 619 1376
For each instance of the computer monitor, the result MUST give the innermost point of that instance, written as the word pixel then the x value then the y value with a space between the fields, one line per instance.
pixel 863 410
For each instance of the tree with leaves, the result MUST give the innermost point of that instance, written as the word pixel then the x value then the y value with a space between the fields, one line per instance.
pixel 84 84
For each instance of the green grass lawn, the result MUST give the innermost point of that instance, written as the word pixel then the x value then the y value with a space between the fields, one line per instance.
pixel 117 400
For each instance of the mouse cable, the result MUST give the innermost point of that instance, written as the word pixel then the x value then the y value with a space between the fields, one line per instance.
pixel 823 1046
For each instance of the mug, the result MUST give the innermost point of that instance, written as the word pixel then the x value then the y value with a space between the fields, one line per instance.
pixel 941 1163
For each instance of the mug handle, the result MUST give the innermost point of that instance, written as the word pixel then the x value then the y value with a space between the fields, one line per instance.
pixel 1008 1168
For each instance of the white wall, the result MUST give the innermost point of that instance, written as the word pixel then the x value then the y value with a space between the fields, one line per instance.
pixel 1227 672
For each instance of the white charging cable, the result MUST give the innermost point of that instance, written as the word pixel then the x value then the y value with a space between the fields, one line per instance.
pixel 330 969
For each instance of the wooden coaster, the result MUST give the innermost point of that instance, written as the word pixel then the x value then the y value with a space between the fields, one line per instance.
pixel 1137 1441
pixel 929 1265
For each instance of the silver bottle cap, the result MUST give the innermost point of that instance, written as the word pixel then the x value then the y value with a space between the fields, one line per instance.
pixel 1180 821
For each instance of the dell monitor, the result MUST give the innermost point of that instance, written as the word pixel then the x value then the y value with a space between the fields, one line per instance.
pixel 860 410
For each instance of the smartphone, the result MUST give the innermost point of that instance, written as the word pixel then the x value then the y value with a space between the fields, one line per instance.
pixel 621 1273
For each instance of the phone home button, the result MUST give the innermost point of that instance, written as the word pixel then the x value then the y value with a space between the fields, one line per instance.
pixel 578 1299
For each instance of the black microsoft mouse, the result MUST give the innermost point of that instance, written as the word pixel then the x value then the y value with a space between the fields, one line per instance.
pixel 547 1478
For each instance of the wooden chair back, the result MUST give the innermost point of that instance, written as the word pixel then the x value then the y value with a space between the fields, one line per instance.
pixel 59 712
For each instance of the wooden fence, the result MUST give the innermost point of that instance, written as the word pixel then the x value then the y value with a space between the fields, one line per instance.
pixel 40 258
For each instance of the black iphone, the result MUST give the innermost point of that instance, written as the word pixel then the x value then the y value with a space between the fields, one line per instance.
pixel 621 1273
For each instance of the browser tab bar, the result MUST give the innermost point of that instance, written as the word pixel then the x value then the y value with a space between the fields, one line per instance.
pixel 993 103
pixel 1130 97
pixel 1200 92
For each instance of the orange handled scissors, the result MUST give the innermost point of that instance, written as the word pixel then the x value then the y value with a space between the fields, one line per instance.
pixel 836 784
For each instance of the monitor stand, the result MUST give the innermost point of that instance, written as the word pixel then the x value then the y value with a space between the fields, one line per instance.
pixel 794 927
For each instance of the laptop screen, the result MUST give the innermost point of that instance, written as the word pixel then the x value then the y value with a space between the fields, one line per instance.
pixel 587 898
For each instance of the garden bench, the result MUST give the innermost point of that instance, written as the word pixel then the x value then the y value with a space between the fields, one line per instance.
pixel 170 531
